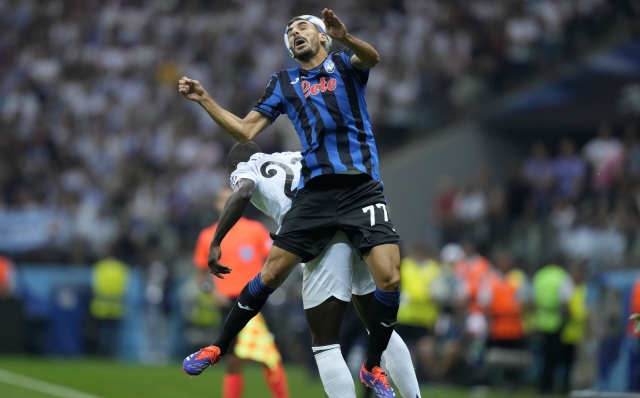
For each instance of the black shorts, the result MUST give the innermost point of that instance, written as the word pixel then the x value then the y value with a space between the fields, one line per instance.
pixel 353 204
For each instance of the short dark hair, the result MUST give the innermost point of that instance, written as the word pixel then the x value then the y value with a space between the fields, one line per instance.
pixel 242 153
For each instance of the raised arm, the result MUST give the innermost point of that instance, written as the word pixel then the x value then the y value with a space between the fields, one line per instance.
pixel 366 57
pixel 233 209
pixel 242 130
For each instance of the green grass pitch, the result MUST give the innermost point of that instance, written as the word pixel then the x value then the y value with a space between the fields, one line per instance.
pixel 107 379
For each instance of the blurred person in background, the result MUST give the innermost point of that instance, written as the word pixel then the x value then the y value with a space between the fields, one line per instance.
pixel 108 304
pixel 471 208
pixel 569 171
pixel 7 278
pixel 519 202
pixel 539 171
pixel 634 308
pixel 574 330
pixel 12 333
pixel 449 292
pixel 472 269
pixel 605 155
pixel 632 152
pixel 503 294
pixel 522 32
pixel 157 309
pixel 563 214
pixel 552 292
pixel 597 238
pixel 443 210
pixel 244 249
pixel 418 311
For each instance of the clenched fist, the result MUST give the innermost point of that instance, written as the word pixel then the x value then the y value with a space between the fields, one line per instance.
pixel 191 89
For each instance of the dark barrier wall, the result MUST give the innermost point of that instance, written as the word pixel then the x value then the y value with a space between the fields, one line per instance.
pixel 411 175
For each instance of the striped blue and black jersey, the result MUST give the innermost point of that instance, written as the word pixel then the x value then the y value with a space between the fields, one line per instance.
pixel 328 110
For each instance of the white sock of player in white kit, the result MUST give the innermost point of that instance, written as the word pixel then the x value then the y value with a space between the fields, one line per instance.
pixel 398 362
pixel 334 373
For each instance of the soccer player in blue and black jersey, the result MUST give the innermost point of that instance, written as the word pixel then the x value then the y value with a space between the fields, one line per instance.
pixel 340 188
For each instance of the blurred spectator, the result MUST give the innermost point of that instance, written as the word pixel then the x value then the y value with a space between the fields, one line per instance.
pixel 519 199
pixel 7 278
pixel 108 303
pixel 12 333
pixel 573 331
pixel 523 32
pixel 503 295
pixel 444 208
pixel 418 311
pixel 563 214
pixel 552 292
pixel 471 209
pixel 449 291
pixel 472 269
pixel 596 239
pixel 634 371
pixel 540 174
pixel 569 171
pixel 157 310
pixel 605 154
pixel 471 204
pixel 632 151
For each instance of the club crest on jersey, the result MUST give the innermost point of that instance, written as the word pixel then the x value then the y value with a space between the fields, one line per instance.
pixel 329 66
pixel 322 86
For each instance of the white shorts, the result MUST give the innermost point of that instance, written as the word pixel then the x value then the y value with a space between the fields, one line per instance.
pixel 338 271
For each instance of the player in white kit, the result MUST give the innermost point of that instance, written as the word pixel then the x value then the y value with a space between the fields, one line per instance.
pixel 269 181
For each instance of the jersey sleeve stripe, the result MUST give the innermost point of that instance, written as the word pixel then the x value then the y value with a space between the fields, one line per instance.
pixel 362 75
pixel 271 103
pixel 265 112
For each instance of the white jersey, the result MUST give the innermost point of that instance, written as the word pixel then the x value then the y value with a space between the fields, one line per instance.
pixel 276 177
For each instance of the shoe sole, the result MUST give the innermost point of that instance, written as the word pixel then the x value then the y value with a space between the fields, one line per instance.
pixel 189 374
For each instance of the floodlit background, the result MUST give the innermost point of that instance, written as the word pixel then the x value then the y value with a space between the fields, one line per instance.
pixel 507 126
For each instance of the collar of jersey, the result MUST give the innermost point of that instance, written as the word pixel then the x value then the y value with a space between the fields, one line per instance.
pixel 314 69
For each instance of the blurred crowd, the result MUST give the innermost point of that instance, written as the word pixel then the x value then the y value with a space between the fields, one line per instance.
pixel 101 153
pixel 483 320
pixel 529 247
pixel 582 203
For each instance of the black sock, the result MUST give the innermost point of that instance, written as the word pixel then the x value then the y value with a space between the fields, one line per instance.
pixel 383 311
pixel 249 303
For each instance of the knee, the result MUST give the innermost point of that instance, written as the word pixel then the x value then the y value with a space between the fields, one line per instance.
pixel 390 281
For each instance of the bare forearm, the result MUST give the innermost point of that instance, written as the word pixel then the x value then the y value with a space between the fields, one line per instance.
pixel 229 122
pixel 233 209
pixel 232 213
pixel 368 56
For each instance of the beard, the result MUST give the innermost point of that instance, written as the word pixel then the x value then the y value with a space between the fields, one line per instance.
pixel 312 48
